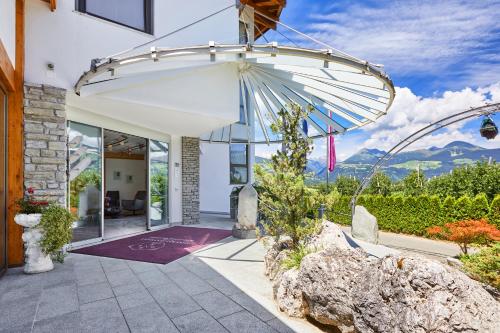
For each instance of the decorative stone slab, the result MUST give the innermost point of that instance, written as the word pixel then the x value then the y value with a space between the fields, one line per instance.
pixel 364 225
pixel 244 233
pixel 247 207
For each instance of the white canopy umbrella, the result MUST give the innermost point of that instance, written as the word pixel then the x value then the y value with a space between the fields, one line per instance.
pixel 201 90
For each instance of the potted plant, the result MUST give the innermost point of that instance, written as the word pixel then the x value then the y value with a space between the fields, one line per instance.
pixel 29 216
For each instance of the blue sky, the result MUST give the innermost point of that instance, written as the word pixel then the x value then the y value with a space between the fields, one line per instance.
pixel 443 57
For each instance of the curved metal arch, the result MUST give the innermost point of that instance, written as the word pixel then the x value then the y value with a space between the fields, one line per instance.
pixel 480 111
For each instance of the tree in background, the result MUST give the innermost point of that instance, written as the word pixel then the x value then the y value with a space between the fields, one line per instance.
pixel 285 201
pixel 346 185
pixel 414 183
pixel 380 184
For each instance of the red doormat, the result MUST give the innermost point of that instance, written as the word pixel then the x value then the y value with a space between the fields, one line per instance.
pixel 159 247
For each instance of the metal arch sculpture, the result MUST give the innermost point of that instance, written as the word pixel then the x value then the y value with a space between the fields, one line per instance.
pixel 485 110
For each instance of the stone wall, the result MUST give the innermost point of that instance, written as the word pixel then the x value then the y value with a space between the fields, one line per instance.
pixel 190 180
pixel 45 142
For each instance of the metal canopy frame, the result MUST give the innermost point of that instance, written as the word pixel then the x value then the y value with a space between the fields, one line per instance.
pixel 323 79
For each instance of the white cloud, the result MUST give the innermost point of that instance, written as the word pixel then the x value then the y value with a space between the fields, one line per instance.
pixel 410 113
pixel 411 36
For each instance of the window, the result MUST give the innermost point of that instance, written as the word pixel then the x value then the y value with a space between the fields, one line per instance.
pixel 238 164
pixel 135 14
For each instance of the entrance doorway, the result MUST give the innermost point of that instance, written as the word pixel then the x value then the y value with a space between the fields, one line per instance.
pixel 118 183
pixel 125 184
pixel 3 183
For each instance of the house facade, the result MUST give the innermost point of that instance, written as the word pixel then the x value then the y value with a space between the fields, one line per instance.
pixel 119 165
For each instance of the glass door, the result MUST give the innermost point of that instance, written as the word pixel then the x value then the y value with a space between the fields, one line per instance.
pixel 158 183
pixel 3 183
pixel 85 180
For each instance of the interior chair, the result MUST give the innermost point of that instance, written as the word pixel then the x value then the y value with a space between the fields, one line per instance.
pixel 112 204
pixel 137 204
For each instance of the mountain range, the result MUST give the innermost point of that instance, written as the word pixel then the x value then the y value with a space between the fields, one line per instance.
pixel 433 161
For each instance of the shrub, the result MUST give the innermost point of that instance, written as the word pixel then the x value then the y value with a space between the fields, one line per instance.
pixel 462 208
pixel 485 265
pixel 28 204
pixel 56 225
pixel 346 185
pixel 295 257
pixel 467 232
pixel 494 214
pixel 479 207
pixel 448 209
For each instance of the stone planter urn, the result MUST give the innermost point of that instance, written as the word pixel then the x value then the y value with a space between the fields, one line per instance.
pixel 36 261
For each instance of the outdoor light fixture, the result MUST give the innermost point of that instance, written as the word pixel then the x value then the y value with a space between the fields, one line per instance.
pixel 489 129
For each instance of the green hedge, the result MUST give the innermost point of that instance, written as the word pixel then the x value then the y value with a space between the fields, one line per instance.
pixel 414 214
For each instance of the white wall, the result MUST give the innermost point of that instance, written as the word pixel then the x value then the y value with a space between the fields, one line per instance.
pixel 8 28
pixel 214 178
pixel 136 168
pixel 69 39
pixel 175 179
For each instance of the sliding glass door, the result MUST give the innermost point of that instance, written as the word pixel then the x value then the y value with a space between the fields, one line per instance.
pixel 158 183
pixel 85 180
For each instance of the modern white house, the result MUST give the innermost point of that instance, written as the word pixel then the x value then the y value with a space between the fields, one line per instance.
pixel 138 114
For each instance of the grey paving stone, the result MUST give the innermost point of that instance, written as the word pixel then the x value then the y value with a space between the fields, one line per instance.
pixel 105 325
pixel 224 285
pixel 26 328
pixel 121 277
pixel 29 290
pixel 280 326
pixel 58 278
pixel 245 322
pixel 148 318
pixel 189 282
pixel 216 304
pixel 126 289
pixel 198 321
pixel 110 264
pixel 171 267
pixel 69 322
pixel 153 278
pixel 135 299
pixel 95 275
pixel 107 308
pixel 252 306
pixel 57 301
pixel 94 292
pixel 202 270
pixel 17 312
pixel 173 300
pixel 139 266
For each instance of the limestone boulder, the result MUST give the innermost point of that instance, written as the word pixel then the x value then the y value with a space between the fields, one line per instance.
pixel 327 279
pixel 414 294
pixel 273 259
pixel 330 236
pixel 364 225
pixel 288 294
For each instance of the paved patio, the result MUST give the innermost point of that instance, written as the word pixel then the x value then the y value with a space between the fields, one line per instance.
pixel 220 288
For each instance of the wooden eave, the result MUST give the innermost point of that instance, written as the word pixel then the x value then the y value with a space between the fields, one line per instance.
pixel 270 8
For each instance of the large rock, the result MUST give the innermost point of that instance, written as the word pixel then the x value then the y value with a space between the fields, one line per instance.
pixel 414 294
pixel 364 225
pixel 273 260
pixel 326 279
pixel 247 208
pixel 288 294
pixel 330 236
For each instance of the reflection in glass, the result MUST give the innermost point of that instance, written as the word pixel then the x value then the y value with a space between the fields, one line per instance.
pixel 158 178
pixel 85 156
pixel 238 159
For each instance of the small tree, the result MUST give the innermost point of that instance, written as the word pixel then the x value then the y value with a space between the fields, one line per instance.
pixel 479 207
pixel 414 183
pixel 285 200
pixel 467 232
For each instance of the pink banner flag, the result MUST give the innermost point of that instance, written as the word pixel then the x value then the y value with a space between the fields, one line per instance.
pixel 332 157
